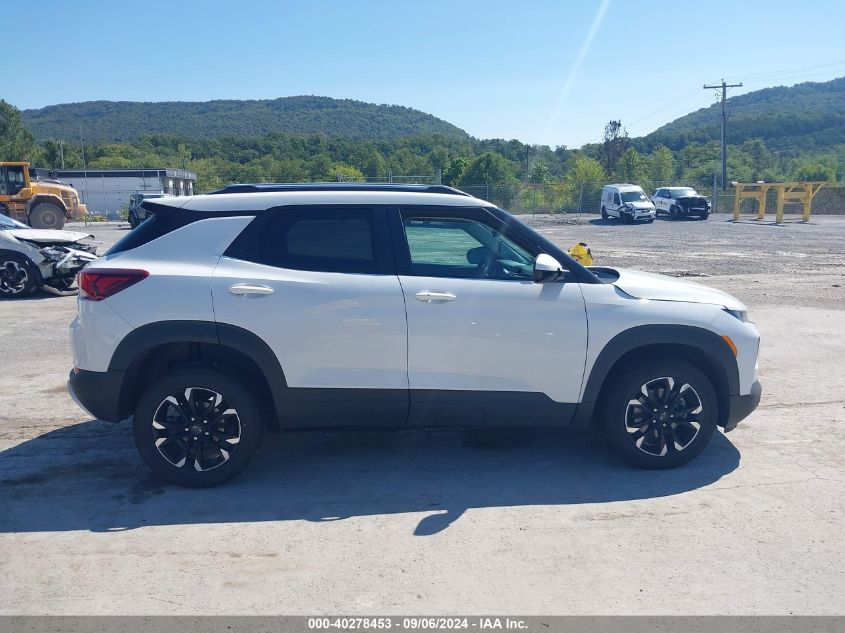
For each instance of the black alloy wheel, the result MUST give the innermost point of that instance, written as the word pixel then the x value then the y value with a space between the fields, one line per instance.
pixel 661 416
pixel 659 413
pixel 198 426
pixel 17 279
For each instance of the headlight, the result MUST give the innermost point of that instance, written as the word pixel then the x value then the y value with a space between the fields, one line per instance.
pixel 82 246
pixel 742 315
pixel 53 253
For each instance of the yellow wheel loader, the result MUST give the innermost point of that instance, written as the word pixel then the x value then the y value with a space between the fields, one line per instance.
pixel 27 195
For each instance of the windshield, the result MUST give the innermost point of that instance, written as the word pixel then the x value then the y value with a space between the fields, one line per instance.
pixel 683 193
pixel 633 196
pixel 8 223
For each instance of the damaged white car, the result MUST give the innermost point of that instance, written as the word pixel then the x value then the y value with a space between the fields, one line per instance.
pixel 40 258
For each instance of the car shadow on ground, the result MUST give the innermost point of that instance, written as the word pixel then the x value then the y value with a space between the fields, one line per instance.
pixel 615 222
pixel 90 477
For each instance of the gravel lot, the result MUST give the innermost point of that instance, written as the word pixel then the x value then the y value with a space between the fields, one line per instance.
pixel 455 522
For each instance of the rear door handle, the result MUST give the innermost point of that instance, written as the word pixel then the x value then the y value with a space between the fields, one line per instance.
pixel 242 290
pixel 430 296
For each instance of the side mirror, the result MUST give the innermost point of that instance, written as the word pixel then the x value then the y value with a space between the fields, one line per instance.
pixel 546 269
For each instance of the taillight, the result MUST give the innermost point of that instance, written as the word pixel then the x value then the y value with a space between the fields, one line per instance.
pixel 96 285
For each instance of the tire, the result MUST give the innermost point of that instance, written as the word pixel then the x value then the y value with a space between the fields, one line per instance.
pixel 704 216
pixel 18 277
pixel 133 220
pixel 604 215
pixel 47 216
pixel 673 213
pixel 655 440
pixel 178 398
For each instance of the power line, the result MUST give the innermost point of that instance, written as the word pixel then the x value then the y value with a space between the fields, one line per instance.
pixel 724 87
pixel 791 71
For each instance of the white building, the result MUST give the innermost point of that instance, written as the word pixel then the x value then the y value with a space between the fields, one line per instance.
pixel 107 191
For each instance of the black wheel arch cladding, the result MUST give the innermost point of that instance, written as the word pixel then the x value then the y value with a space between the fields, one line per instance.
pixel 715 356
pixel 142 340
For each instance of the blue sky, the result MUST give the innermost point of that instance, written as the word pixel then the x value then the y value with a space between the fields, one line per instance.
pixel 542 72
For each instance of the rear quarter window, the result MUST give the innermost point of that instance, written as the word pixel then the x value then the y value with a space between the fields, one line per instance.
pixel 165 220
pixel 150 229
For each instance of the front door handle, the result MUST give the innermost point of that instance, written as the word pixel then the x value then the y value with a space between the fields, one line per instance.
pixel 242 290
pixel 430 296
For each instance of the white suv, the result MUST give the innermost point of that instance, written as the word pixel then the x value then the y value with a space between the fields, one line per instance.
pixel 288 306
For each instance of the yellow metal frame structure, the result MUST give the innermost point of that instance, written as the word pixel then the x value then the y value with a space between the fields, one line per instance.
pixel 803 192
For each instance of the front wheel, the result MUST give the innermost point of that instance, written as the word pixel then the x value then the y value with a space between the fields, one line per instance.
pixel 604 215
pixel 133 220
pixel 47 216
pixel 198 426
pixel 17 276
pixel 660 413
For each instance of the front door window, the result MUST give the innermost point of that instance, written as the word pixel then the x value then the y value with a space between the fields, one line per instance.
pixel 463 248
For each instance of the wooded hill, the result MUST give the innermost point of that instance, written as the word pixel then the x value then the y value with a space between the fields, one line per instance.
pixel 121 121
pixel 807 116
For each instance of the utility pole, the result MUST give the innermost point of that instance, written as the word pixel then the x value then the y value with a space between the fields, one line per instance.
pixel 724 88
pixel 81 144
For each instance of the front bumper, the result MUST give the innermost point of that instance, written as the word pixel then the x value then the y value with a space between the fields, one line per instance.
pixel 97 393
pixel 79 212
pixel 740 407
pixel 640 215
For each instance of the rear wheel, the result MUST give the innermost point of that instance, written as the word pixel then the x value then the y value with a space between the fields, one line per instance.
pixel 198 426
pixel 660 413
pixel 17 276
pixel 47 216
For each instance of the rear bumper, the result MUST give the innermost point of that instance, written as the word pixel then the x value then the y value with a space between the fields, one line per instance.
pixel 97 392
pixel 742 406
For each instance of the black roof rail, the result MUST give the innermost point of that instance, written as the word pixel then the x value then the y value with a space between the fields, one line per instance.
pixel 336 186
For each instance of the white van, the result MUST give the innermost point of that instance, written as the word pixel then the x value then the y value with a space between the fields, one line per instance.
pixel 628 203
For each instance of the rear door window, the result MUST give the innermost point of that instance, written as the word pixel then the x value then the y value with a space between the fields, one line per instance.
pixel 326 239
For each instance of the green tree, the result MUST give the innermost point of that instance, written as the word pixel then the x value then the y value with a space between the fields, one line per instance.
pixel 613 145
pixel 346 173
pixel 489 167
pixel 585 176
pixel 496 172
pixel 661 165
pixel 632 166
pixel 539 173
pixel 16 141
pixel 439 158
pixel 455 171
pixel 819 170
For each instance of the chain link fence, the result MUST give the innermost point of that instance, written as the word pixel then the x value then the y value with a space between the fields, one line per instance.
pixel 585 198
